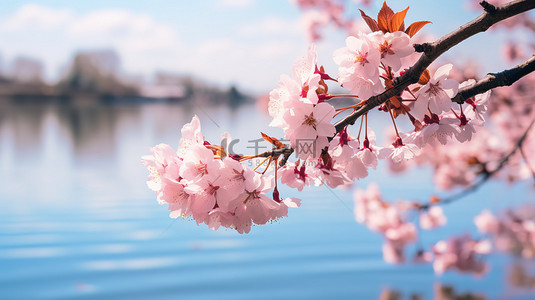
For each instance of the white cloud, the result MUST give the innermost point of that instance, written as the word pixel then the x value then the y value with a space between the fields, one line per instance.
pixel 52 35
pixel 37 17
pixel 256 66
pixel 252 57
pixel 139 39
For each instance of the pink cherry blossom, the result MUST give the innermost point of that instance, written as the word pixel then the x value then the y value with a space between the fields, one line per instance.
pixel 439 128
pixel 295 176
pixel 513 52
pixel 399 151
pixel 486 222
pixel 174 194
pixel 392 47
pixel 310 123
pixel 422 256
pixel 460 253
pixel 355 168
pixel 259 207
pixel 432 218
pixel 191 135
pixel 359 63
pixel 366 200
pixel 378 215
pixel 326 172
pixel 313 21
pixel 402 234
pixel 361 86
pixel 291 92
pixel 436 94
pixel 343 146
pixel 304 73
pixel 393 253
pixel 213 189
pixel 162 161
pixel 288 91
pixel 198 162
pixel 359 56
pixel 466 129
pixel 368 153
pixel 476 106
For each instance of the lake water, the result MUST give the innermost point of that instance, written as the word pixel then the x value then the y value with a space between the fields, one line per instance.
pixel 77 220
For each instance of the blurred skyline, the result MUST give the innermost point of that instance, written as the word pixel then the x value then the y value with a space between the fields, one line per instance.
pixel 248 43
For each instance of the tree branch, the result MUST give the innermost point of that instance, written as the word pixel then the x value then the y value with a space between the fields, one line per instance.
pixel 431 51
pixel 493 80
pixel 437 48
pixel 486 176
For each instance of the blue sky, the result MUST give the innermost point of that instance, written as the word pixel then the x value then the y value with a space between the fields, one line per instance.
pixel 244 42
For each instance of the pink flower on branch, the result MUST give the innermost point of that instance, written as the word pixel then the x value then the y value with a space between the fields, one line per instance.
pixel 476 106
pixel 201 182
pixel 436 94
pixel 432 218
pixel 462 254
pixel 393 47
pixel 308 122
pixel 359 66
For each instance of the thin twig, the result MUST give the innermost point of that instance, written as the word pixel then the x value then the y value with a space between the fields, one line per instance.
pixel 486 175
pixel 493 80
pixel 524 156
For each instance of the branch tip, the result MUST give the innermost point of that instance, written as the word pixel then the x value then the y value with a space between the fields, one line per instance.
pixel 425 47
pixel 489 8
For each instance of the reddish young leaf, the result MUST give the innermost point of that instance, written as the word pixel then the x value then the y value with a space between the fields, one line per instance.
pixel 324 88
pixel 415 27
pixel 395 101
pixel 424 78
pixel 371 22
pixel 384 17
pixel 272 140
pixel 402 110
pixel 398 21
pixel 435 199
pixel 389 84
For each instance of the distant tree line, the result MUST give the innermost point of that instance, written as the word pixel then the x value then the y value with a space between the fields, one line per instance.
pixel 98 73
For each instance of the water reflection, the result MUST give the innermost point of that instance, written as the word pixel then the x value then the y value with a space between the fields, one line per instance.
pixel 441 292
pixel 77 221
pixel 521 276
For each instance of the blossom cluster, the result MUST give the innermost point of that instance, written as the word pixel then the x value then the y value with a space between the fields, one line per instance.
pixel 460 253
pixel 205 182
pixel 389 219
pixel 301 107
pixel 514 232
pixel 201 181
pixel 381 216
pixel 296 107
pixel 459 163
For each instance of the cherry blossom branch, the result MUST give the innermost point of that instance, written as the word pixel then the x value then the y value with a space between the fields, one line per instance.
pixel 431 51
pixel 493 80
pixel 525 157
pixel 486 175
